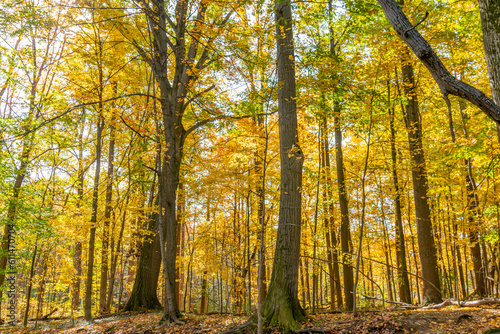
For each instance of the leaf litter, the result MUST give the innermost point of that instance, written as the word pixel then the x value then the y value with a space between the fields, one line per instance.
pixel 448 320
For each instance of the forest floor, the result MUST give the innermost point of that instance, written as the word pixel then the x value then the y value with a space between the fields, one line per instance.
pixel 448 320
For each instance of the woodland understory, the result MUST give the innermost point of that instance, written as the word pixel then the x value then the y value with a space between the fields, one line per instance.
pixel 201 166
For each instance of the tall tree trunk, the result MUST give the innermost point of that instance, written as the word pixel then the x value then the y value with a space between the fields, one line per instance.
pixel 9 228
pixel 181 211
pixel 327 213
pixel 403 282
pixel 472 213
pixel 345 229
pixel 490 16
pixel 331 224
pixel 259 166
pixel 281 306
pixel 204 285
pixel 77 257
pixel 426 246
pixel 93 220
pixel 98 45
pixel 103 306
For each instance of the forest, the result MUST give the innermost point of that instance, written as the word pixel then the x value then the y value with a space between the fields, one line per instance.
pixel 208 166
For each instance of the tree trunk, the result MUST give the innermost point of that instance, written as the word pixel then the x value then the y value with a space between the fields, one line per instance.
pixel 426 247
pixel 403 282
pixel 143 295
pixel 77 257
pixel 93 221
pixel 114 258
pixel 281 306
pixel 103 306
pixel 331 223
pixel 472 215
pixel 9 228
pixel 30 284
pixel 328 215
pixel 181 211
pixel 490 16
pixel 345 232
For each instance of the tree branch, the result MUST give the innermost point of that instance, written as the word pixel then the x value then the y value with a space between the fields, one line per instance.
pixel 422 49
pixel 217 118
pixel 67 111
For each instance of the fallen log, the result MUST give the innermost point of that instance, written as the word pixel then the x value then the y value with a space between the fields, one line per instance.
pixel 45 317
pixel 448 302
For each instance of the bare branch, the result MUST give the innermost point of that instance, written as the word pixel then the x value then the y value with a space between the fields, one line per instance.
pixel 422 49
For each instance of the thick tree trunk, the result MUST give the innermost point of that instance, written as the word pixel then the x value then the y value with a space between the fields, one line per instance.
pixel 169 182
pixel 447 83
pixel 426 247
pixel 345 229
pixel 490 17
pixel 143 294
pixel 281 306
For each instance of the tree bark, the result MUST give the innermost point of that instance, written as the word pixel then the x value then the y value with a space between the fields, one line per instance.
pixel 426 247
pixel 77 257
pixel 143 294
pixel 490 16
pixel 281 306
pixel 188 62
pixel 93 221
pixel 446 82
pixel 331 224
pixel 403 282
pixel 114 258
pixel 345 229
pixel 103 306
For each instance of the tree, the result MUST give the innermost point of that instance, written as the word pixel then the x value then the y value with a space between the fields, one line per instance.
pixel 189 60
pixel 446 82
pixel 426 247
pixel 490 15
pixel 281 307
pixel 403 282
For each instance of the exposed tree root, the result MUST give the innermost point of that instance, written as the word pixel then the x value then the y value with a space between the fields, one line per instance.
pixel 168 319
pixel 274 315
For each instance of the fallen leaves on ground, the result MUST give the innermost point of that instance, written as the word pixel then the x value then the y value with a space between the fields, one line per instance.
pixel 448 320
